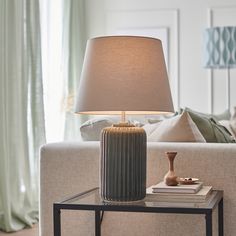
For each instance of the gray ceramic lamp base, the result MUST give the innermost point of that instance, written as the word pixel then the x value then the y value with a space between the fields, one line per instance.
pixel 123 163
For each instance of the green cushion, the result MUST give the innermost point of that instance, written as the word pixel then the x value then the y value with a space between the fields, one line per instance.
pixel 211 130
pixel 222 116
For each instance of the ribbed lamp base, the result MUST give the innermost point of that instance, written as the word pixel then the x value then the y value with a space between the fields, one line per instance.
pixel 123 163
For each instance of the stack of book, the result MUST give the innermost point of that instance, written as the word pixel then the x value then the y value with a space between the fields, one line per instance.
pixel 196 192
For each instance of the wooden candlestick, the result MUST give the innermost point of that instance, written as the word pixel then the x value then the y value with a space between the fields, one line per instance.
pixel 170 178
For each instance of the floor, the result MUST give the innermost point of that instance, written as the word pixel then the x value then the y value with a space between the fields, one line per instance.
pixel 26 232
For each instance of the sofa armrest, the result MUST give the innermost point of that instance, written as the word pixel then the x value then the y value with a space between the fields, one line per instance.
pixel 65 169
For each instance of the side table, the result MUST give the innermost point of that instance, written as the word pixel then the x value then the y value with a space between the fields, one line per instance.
pixel 84 201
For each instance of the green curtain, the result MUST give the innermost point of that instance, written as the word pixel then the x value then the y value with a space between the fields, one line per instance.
pixel 73 48
pixel 22 114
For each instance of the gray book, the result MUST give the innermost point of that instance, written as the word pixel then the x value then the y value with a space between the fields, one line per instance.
pixel 200 196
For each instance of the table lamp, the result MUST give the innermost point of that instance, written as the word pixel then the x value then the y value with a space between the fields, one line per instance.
pixel 123 75
pixel 220 50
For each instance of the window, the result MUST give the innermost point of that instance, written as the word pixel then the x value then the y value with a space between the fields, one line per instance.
pixel 51 32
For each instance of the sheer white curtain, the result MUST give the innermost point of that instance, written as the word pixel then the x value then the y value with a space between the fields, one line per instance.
pixel 63 45
pixel 22 114
pixel 51 25
pixel 73 47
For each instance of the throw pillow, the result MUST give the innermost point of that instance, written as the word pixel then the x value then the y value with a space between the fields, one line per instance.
pixel 228 126
pixel 211 130
pixel 180 128
pixel 91 129
pixel 158 118
pixel 222 116
pixel 232 122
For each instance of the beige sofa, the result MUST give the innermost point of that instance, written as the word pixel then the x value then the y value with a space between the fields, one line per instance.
pixel 70 168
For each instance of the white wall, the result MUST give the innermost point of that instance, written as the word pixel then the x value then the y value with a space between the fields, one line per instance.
pixel 185 20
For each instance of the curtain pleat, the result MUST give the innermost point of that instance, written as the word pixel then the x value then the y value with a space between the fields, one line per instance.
pixel 73 48
pixel 22 114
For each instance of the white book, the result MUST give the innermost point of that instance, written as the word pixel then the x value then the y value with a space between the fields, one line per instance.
pixel 180 188
pixel 200 196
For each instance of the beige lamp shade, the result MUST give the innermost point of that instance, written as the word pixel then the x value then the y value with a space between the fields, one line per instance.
pixel 124 73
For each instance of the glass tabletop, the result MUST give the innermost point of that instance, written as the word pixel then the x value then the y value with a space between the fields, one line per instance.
pixel 92 198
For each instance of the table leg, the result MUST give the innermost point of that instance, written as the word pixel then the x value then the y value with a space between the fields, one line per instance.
pixel 97 223
pixel 209 224
pixel 221 218
pixel 57 220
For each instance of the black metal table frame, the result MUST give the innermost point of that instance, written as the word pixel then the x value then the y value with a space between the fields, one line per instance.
pixel 98 209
